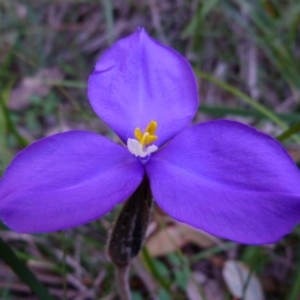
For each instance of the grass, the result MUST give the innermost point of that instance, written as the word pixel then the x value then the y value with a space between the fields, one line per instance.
pixel 246 57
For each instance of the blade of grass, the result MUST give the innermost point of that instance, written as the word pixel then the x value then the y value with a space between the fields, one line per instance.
pixel 22 271
pixel 212 251
pixel 64 266
pixel 152 268
pixel 293 293
pixel 66 83
pixel 289 132
pixel 109 20
pixel 204 9
pixel 6 86
pixel 221 111
pixel 266 35
pixel 247 99
pixel 11 125
pixel 5 155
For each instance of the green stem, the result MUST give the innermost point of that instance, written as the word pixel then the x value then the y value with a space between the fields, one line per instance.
pixel 122 277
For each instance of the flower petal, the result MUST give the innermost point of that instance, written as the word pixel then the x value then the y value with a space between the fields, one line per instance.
pixel 138 80
pixel 66 180
pixel 229 180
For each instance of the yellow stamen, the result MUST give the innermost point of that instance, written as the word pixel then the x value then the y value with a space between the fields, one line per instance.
pixel 138 134
pixel 143 141
pixel 151 128
pixel 151 139
pixel 148 137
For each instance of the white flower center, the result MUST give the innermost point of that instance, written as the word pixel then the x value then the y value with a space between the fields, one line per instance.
pixel 142 146
pixel 137 149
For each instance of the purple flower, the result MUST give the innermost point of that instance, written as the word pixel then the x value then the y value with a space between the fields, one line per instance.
pixel 221 176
